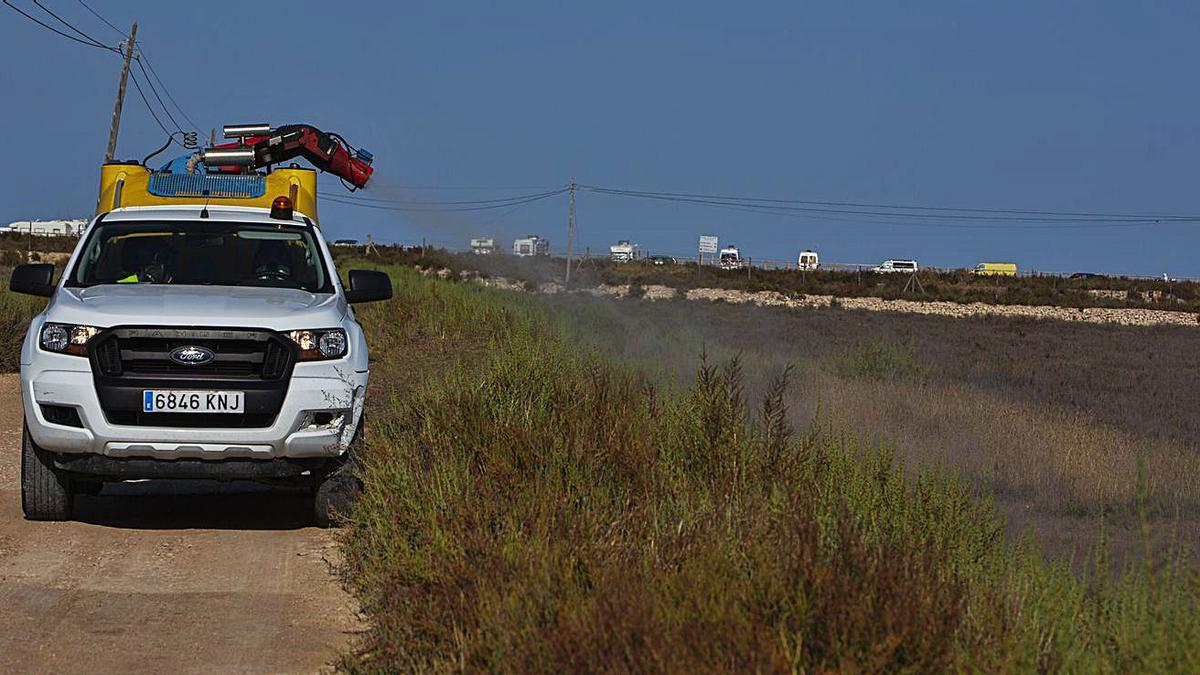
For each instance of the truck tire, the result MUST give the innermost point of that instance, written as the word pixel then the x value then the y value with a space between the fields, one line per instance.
pixel 46 492
pixel 334 495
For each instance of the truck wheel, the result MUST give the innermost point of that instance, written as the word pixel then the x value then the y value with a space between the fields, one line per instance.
pixel 90 488
pixel 46 492
pixel 335 494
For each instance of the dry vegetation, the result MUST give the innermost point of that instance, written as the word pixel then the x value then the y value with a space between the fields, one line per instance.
pixel 960 287
pixel 16 311
pixel 572 488
pixel 1053 418
pixel 576 483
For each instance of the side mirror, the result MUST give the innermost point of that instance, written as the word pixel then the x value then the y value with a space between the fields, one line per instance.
pixel 368 286
pixel 37 279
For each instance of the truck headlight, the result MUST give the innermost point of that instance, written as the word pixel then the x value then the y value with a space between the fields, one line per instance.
pixel 66 338
pixel 319 345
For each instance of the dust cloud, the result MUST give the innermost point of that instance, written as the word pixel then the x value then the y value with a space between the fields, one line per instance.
pixel 392 211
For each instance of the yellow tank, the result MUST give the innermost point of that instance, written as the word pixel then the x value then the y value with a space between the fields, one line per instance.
pixel 134 185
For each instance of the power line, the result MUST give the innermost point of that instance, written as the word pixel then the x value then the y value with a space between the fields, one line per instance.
pixel 106 21
pixel 501 216
pixel 64 22
pixel 142 57
pixel 872 214
pixel 407 209
pixel 945 226
pixel 418 202
pixel 142 94
pixel 156 96
pixel 791 215
pixel 939 215
pixel 472 188
pixel 89 42
pixel 950 209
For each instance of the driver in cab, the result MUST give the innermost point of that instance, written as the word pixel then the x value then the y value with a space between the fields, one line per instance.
pixel 147 260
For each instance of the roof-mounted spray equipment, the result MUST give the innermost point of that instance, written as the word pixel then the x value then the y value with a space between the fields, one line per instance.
pixel 256 146
pixel 229 173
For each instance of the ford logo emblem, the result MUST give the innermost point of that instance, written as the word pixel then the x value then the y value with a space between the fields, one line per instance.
pixel 192 355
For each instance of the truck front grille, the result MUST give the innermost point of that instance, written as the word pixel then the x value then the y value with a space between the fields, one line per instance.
pixel 126 361
pixel 135 352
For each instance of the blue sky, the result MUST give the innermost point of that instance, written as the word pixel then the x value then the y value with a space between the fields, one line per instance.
pixel 1080 106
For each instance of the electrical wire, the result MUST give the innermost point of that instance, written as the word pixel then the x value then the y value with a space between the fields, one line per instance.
pixel 143 63
pixel 404 209
pixel 64 22
pixel 815 220
pixel 189 141
pixel 1083 214
pixel 86 39
pixel 154 91
pixel 90 42
pixel 473 188
pixel 864 214
pixel 718 201
pixel 812 219
pixel 417 202
pixel 150 108
pixel 142 57
pixel 501 216
pixel 106 21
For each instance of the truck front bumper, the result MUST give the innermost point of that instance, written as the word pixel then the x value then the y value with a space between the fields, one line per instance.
pixel 314 388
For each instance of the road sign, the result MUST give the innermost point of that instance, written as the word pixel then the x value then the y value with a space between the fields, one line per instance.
pixel 708 244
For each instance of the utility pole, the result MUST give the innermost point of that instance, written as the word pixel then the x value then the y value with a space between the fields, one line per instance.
pixel 116 120
pixel 570 228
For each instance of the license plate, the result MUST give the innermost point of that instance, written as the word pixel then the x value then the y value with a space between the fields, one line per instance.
pixel 193 401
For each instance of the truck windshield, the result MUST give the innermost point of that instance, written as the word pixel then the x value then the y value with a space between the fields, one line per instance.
pixel 208 254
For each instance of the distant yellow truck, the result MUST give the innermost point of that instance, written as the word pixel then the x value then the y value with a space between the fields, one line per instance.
pixel 988 269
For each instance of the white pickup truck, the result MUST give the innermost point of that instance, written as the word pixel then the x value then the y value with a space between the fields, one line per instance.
pixel 189 341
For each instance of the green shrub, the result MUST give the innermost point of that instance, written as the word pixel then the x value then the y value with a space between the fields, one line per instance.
pixel 16 311
pixel 881 360
pixel 531 506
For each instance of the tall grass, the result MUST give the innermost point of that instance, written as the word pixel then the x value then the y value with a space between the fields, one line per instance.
pixel 531 506
pixel 16 311
pixel 879 359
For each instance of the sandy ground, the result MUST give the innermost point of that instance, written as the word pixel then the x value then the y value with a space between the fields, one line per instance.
pixel 180 577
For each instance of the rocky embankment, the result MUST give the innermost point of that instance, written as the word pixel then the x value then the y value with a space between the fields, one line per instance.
pixel 1121 316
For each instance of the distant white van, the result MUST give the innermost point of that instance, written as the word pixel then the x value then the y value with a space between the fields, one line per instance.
pixel 890 266
pixel 624 251
pixel 731 258
pixel 483 246
pixel 808 260
pixel 531 245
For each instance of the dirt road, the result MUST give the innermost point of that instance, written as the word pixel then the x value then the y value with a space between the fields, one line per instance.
pixel 165 577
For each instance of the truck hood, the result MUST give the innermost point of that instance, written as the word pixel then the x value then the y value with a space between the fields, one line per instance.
pixel 224 306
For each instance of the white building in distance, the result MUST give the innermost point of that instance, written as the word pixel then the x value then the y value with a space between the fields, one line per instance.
pixel 48 228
